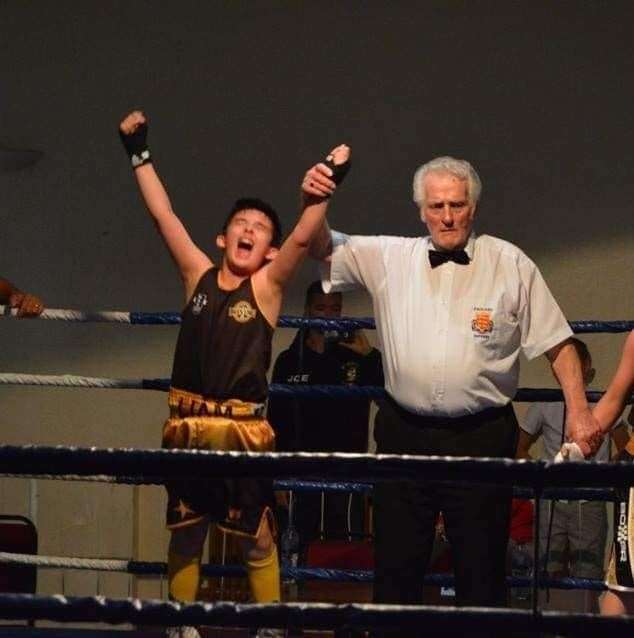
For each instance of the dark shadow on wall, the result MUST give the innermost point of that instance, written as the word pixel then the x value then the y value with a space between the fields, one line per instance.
pixel 244 97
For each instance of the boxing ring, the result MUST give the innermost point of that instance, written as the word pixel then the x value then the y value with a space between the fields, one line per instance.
pixel 296 471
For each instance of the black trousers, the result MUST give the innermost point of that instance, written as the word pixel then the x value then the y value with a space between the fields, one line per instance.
pixel 476 515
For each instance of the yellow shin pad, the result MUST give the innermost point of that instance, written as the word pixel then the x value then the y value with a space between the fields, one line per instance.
pixel 184 577
pixel 264 578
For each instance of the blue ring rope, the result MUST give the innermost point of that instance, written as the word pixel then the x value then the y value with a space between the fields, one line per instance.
pixel 304 615
pixel 275 389
pixel 155 466
pixel 368 323
pixel 329 574
pixel 284 321
pixel 333 574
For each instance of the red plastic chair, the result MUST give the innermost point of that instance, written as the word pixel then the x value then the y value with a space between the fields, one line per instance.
pixel 18 534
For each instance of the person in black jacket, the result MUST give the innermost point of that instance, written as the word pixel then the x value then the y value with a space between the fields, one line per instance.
pixel 325 425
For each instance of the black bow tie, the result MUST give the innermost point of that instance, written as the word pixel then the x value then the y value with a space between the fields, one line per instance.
pixel 438 257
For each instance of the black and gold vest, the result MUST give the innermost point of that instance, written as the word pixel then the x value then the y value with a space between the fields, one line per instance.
pixel 224 345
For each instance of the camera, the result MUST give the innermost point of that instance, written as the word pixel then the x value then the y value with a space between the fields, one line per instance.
pixel 335 336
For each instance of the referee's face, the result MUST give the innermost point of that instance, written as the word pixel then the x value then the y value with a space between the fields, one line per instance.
pixel 447 211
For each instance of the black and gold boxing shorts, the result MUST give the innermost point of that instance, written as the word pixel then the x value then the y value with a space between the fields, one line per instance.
pixel 237 505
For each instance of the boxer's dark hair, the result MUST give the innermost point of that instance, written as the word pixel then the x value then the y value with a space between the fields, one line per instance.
pixel 246 203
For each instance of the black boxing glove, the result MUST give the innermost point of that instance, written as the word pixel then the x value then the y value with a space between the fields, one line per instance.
pixel 136 147
pixel 339 171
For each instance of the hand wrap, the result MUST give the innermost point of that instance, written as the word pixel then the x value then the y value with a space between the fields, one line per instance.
pixel 569 452
pixel 136 147
pixel 339 171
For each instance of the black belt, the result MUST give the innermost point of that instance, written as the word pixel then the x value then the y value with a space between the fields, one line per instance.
pixel 466 420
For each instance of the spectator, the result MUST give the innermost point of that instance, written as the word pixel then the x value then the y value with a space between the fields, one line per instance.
pixel 578 532
pixel 325 425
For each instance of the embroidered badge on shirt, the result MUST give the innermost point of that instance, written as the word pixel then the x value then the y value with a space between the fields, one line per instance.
pixel 242 312
pixel 482 324
pixel 198 303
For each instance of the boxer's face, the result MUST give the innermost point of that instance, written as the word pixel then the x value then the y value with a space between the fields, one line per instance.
pixel 447 211
pixel 247 241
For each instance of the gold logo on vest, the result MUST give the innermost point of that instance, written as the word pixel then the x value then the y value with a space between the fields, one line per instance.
pixel 242 312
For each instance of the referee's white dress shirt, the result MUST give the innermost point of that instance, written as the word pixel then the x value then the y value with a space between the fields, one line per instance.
pixel 450 337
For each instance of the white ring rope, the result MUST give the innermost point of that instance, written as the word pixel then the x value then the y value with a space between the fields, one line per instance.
pixel 62 314
pixel 53 562
pixel 69 380
pixel 97 478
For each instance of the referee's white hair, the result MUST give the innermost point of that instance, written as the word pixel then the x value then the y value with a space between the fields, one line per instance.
pixel 457 167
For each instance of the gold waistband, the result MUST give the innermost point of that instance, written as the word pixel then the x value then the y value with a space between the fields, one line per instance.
pixel 183 404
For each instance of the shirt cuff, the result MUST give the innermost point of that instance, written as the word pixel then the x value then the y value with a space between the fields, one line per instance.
pixel 328 270
pixel 534 351
pixel 338 238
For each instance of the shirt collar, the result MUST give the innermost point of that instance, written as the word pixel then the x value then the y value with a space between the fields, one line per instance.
pixel 469 248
